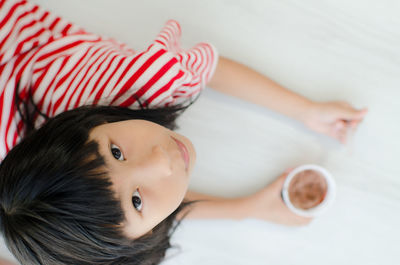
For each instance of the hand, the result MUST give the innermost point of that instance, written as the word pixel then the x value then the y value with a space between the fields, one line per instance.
pixel 267 204
pixel 334 119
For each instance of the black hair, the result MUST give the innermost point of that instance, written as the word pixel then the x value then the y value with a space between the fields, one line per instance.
pixel 56 203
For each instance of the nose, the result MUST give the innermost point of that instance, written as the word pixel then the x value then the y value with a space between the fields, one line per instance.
pixel 154 166
pixel 160 161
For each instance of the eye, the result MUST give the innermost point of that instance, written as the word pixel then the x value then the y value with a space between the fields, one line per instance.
pixel 116 152
pixel 137 201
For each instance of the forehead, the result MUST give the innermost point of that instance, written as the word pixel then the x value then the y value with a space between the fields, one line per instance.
pixel 111 127
pixel 138 124
pixel 130 130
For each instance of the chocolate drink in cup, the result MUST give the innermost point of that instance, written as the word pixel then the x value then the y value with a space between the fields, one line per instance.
pixel 307 189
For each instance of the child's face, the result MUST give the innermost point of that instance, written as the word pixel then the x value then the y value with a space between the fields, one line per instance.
pixel 147 169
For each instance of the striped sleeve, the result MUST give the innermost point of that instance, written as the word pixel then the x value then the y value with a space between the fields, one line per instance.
pixel 196 65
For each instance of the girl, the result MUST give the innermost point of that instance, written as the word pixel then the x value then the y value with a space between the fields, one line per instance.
pixel 93 172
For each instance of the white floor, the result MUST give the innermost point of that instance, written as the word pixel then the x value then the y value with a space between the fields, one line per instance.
pixel 326 50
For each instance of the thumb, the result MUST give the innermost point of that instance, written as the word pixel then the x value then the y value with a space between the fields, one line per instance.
pixel 353 114
pixel 281 179
pixel 361 113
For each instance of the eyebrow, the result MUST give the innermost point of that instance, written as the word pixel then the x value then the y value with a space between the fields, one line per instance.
pixel 105 155
pixel 104 139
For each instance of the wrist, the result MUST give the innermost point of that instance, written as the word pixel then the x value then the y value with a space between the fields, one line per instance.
pixel 304 110
pixel 254 204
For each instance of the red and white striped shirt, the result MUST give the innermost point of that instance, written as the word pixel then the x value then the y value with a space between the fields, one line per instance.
pixel 62 67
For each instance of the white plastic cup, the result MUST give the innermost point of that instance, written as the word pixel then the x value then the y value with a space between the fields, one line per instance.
pixel 320 208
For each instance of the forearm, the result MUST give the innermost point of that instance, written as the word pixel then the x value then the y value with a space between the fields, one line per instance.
pixel 240 81
pixel 212 207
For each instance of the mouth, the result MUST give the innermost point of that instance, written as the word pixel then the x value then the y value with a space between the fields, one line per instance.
pixel 184 152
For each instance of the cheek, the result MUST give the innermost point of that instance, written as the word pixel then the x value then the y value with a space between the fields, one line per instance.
pixel 171 193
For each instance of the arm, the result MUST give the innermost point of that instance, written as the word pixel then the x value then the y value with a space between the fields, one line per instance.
pixel 237 80
pixel 213 207
pixel 330 118
pixel 266 204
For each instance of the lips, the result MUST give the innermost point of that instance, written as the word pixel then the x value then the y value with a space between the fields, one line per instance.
pixel 184 152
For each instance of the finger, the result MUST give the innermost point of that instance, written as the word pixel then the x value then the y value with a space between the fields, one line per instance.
pixel 364 112
pixel 360 114
pixel 353 114
pixel 287 171
pixel 339 125
pixel 281 179
pixel 342 136
pixel 354 124
pixel 339 131
pixel 344 133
